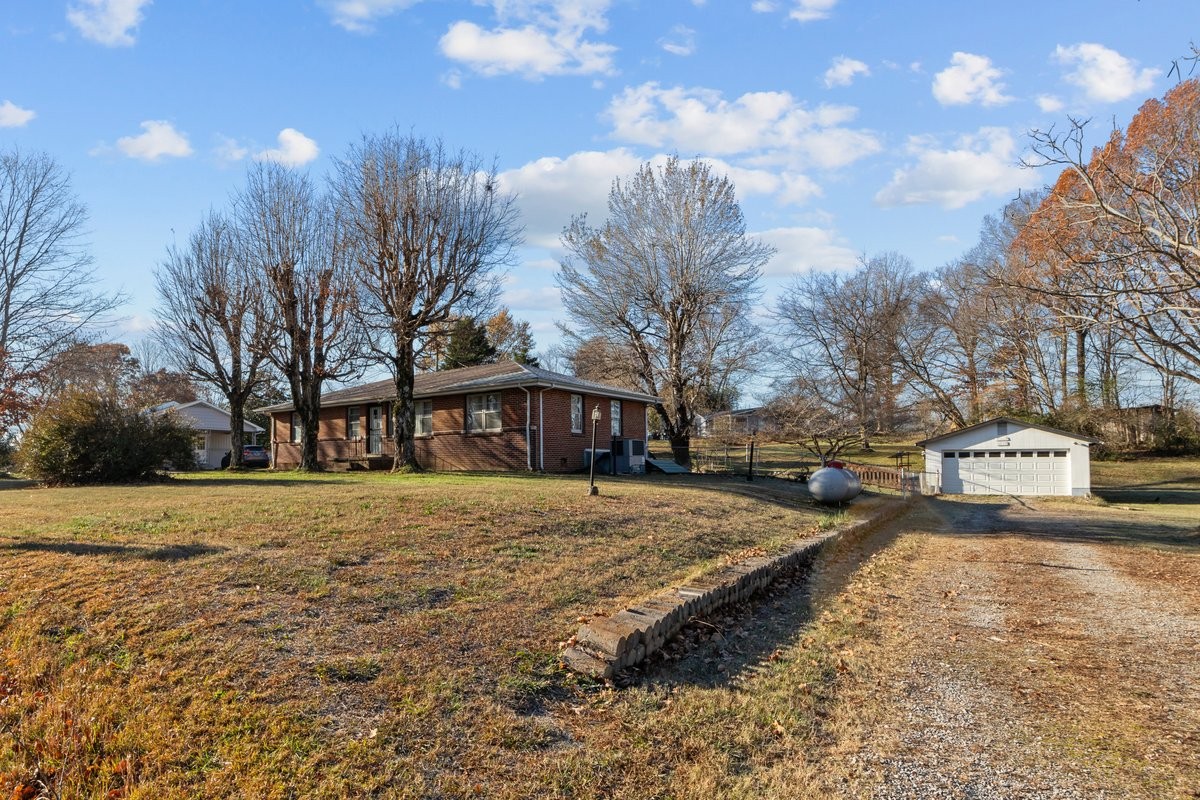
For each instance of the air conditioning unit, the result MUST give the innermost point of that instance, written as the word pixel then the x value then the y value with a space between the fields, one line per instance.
pixel 637 456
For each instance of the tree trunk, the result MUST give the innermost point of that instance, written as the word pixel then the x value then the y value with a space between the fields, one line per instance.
pixel 403 417
pixel 237 433
pixel 681 448
pixel 1081 366
pixel 310 420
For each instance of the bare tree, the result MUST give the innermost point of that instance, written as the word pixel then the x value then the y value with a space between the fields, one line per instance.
pixel 288 235
pixel 801 413
pixel 670 278
pixel 1122 224
pixel 211 320
pixel 845 332
pixel 429 229
pixel 47 300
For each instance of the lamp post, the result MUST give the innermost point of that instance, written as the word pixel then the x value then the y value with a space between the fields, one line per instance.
pixel 592 490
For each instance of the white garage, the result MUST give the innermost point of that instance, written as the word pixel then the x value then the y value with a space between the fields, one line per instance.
pixel 1008 456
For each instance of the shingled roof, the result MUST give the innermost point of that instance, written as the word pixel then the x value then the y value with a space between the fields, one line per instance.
pixel 503 375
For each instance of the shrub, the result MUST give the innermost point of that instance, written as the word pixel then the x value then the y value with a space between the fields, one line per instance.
pixel 87 438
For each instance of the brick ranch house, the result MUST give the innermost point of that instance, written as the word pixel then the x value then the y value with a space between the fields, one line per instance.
pixel 504 416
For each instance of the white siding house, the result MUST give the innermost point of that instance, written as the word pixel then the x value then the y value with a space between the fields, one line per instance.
pixel 213 429
pixel 1008 456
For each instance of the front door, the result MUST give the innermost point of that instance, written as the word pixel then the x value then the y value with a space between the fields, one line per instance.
pixel 375 430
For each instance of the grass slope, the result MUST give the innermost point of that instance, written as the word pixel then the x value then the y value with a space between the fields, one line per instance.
pixel 328 636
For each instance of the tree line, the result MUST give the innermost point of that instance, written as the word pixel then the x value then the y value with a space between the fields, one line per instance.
pixel 1071 299
pixel 1078 301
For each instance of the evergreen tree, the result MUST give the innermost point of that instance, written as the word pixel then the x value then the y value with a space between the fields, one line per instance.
pixel 468 345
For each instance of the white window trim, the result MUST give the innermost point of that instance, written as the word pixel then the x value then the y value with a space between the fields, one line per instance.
pixel 418 405
pixel 498 425
pixel 296 433
pixel 576 417
pixel 616 423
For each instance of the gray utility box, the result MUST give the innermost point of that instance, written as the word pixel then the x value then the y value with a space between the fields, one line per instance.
pixel 629 456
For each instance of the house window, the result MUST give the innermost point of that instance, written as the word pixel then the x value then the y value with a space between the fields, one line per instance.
pixel 353 423
pixel 1002 429
pixel 614 414
pixel 297 432
pixel 423 418
pixel 483 412
pixel 576 413
pixel 947 455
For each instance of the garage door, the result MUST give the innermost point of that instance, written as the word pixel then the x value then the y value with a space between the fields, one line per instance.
pixel 1019 472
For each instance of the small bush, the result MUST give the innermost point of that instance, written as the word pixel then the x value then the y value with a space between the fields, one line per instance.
pixel 87 438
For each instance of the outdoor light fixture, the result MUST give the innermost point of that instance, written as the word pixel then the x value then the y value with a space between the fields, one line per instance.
pixel 592 490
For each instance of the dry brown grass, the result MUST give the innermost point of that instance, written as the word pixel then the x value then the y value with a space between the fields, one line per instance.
pixel 281 636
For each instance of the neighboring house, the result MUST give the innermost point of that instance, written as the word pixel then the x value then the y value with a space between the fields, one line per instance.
pixel 504 416
pixel 1008 456
pixel 213 429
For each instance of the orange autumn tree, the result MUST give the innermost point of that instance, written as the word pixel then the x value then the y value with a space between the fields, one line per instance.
pixel 1117 240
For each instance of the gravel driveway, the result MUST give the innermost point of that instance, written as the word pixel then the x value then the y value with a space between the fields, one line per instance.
pixel 1047 651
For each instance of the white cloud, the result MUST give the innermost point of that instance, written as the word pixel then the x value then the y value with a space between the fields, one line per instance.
pixel 229 151
pixel 970 78
pixel 359 15
pixel 13 116
pixel 681 41
pixel 771 126
pixel 801 11
pixel 1103 74
pixel 843 71
pixel 980 165
pixel 527 298
pixel 528 51
pixel 158 139
pixel 294 150
pixel 109 22
pixel 802 249
pixel 535 38
pixel 1049 103
pixel 552 190
pixel 809 10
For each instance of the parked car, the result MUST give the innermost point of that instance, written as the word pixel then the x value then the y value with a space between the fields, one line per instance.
pixel 253 455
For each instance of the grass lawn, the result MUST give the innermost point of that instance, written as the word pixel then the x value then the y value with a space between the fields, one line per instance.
pixel 1167 487
pixel 277 635
pixel 783 456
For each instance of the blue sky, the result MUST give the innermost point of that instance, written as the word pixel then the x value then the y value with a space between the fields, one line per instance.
pixel 848 127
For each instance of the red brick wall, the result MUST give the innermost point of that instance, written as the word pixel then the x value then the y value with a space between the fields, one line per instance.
pixel 452 448
pixel 563 450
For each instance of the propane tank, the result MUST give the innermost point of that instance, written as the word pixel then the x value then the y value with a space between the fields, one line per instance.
pixel 834 485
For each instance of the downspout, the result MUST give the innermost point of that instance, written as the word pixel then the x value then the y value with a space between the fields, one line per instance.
pixel 528 441
pixel 542 427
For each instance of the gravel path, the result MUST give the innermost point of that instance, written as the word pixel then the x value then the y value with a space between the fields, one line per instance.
pixel 1039 661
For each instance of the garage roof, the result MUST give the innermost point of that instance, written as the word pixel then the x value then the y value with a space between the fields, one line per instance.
pixel 1013 421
